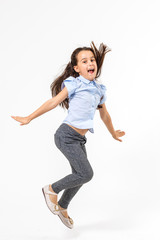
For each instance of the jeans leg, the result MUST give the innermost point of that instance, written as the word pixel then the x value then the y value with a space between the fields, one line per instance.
pixel 82 171
pixel 72 145
pixel 68 194
pixel 78 160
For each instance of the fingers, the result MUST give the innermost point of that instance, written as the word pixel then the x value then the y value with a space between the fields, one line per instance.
pixel 121 134
pixel 116 138
pixel 119 140
pixel 15 118
pixel 18 119
pixel 121 131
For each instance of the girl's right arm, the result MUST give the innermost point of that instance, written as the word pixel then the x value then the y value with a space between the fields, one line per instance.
pixel 45 107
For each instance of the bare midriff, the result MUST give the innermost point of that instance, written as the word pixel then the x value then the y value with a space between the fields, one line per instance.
pixel 80 131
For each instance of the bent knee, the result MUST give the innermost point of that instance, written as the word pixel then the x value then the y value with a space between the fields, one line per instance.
pixel 88 176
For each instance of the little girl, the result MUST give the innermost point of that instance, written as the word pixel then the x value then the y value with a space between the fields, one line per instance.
pixel 77 90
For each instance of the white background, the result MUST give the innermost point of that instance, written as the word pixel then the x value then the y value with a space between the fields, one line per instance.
pixel 37 38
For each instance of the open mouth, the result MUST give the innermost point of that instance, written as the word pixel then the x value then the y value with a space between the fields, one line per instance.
pixel 91 71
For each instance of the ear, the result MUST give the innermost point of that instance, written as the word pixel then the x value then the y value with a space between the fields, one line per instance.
pixel 76 69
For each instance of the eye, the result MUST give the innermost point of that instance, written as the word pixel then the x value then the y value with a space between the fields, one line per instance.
pixel 84 62
pixel 92 60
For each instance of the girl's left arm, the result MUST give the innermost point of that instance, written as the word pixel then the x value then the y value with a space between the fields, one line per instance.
pixel 106 118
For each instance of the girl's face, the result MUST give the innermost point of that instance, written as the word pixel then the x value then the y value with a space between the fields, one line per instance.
pixel 86 65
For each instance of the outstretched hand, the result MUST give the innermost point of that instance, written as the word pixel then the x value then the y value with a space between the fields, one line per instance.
pixel 22 120
pixel 117 134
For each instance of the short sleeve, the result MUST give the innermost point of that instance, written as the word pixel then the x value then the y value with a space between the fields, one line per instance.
pixel 71 84
pixel 103 92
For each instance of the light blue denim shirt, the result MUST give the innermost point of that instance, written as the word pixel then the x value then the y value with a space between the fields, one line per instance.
pixel 84 97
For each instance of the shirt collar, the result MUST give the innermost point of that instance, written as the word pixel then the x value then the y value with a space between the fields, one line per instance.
pixel 85 80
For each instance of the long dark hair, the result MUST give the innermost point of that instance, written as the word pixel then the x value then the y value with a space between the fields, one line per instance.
pixel 69 70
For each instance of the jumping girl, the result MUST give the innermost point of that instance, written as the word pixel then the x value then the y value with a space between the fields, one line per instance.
pixel 77 90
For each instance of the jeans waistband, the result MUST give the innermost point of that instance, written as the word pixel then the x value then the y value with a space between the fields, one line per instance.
pixel 69 129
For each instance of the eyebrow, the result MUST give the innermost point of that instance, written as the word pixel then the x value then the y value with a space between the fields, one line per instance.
pixel 86 58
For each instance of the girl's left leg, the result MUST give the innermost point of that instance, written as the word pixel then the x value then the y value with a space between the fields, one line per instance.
pixel 68 194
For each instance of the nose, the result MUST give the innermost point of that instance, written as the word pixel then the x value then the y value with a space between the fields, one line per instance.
pixel 90 63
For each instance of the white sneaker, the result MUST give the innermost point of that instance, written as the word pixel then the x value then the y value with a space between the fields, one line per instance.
pixel 66 221
pixel 52 206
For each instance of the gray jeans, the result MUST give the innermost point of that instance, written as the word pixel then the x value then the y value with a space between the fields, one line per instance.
pixel 72 145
